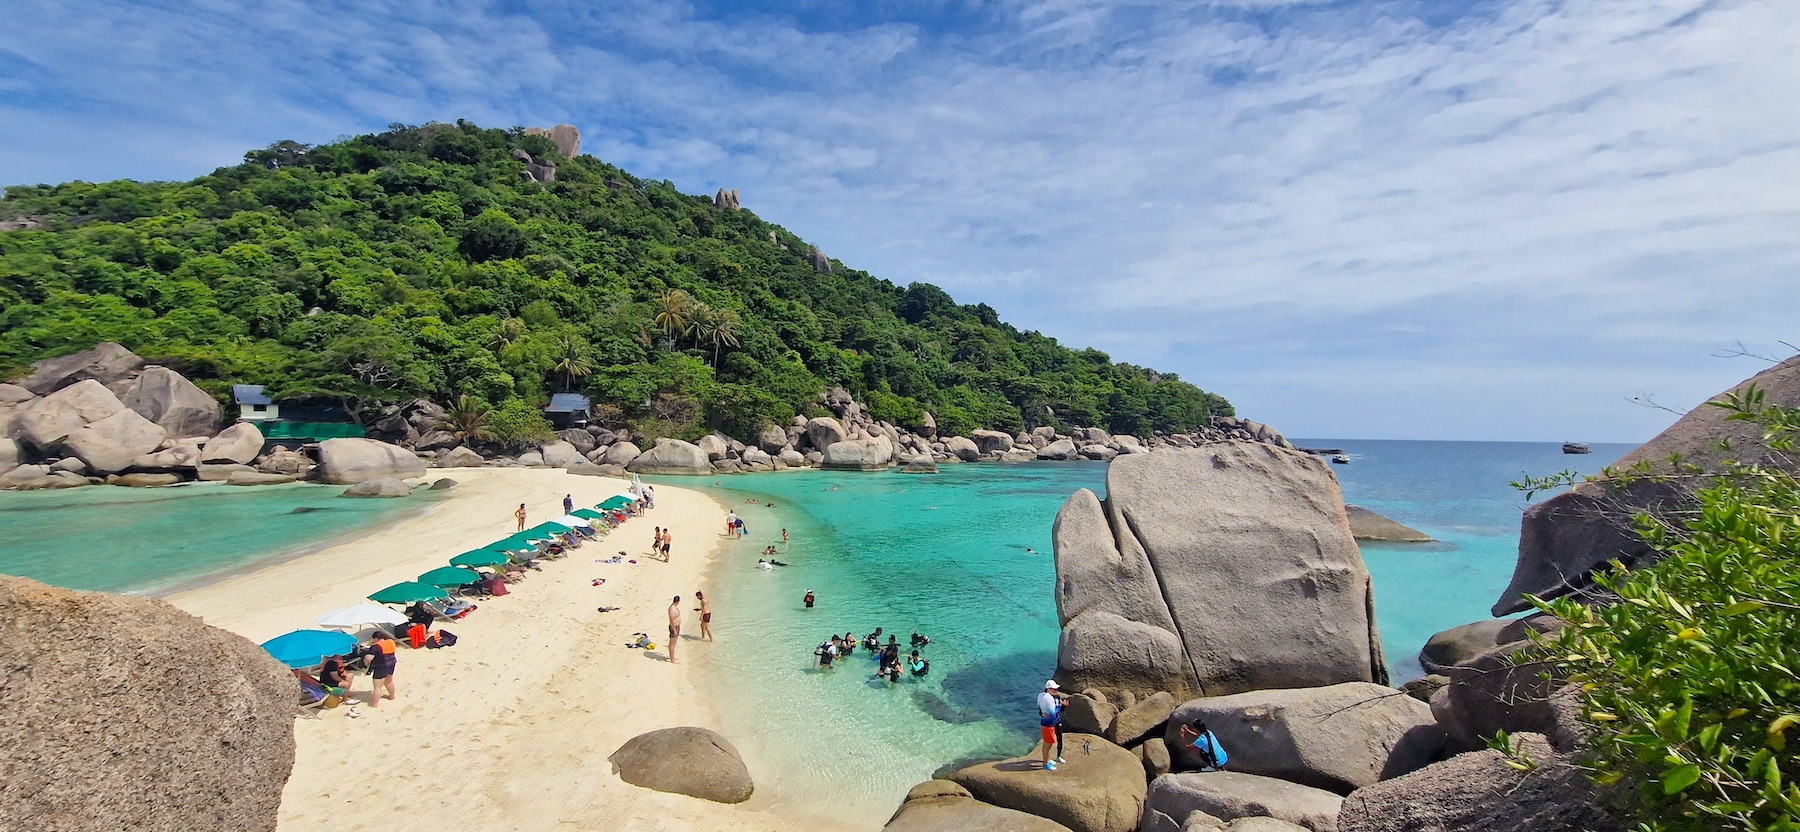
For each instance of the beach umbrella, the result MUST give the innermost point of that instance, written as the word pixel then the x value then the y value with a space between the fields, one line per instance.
pixel 305 648
pixel 479 557
pixel 570 520
pixel 406 593
pixel 360 615
pixel 611 503
pixel 447 576
pixel 588 514
pixel 543 530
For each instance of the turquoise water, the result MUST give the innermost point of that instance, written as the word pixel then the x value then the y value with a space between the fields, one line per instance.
pixel 149 540
pixel 952 555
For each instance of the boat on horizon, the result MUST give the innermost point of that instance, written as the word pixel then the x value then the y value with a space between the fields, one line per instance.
pixel 1340 459
pixel 1576 448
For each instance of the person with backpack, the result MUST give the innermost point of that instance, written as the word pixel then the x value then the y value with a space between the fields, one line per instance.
pixel 1050 708
pixel 1205 744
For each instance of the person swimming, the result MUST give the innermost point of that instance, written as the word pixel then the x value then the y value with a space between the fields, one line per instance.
pixel 919 641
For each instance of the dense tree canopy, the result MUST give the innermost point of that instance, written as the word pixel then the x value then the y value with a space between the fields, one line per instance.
pixel 424 262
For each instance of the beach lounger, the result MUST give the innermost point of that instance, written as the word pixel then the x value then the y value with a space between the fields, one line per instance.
pixel 452 612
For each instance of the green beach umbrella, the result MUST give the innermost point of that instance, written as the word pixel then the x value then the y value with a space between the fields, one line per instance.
pixel 613 502
pixel 479 557
pixel 543 530
pixel 448 576
pixel 588 514
pixel 406 593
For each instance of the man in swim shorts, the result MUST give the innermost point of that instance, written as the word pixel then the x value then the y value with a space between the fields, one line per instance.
pixel 382 659
pixel 674 626
pixel 705 615
pixel 1050 708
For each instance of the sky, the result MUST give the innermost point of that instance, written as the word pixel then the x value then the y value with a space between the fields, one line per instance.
pixel 1435 219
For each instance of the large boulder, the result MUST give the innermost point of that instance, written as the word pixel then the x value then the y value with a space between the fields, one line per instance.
pixel 962 448
pixel 1097 452
pixel 241 443
pixel 1061 449
pixel 714 445
pixel 1492 693
pixel 560 454
pixel 860 454
pixel 1239 553
pixel 143 480
pixel 109 445
pixel 1099 789
pixel 170 458
pixel 1145 717
pixel 1338 737
pixel 1086 713
pixel 992 441
pixel 106 364
pixel 167 398
pixel 685 760
pixel 460 458
pixel 384 487
pixel 823 431
pixel 670 456
pixel 43 423
pixel 99 748
pixel 1459 644
pixel 11 394
pixel 1562 540
pixel 348 461
pixel 580 439
pixel 791 458
pixel 55 479
pixel 944 806
pixel 264 478
pixel 921 464
pixel 21 474
pixel 772 440
pixel 9 455
pixel 1229 795
pixel 621 453
pixel 1482 791
pixel 1367 525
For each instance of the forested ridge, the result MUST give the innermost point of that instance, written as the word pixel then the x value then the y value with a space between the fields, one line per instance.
pixel 426 262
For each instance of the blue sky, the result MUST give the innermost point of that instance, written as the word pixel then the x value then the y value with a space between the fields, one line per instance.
pixel 1477 220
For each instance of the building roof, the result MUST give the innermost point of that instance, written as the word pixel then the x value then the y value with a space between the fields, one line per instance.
pixel 250 394
pixel 567 403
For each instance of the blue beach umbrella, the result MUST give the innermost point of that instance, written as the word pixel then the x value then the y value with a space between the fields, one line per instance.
pixel 305 648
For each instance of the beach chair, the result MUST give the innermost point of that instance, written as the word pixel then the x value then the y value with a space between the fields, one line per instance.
pixel 452 612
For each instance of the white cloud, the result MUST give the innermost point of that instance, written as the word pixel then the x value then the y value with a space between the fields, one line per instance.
pixel 1331 213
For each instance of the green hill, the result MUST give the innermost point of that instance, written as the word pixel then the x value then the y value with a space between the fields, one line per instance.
pixel 426 262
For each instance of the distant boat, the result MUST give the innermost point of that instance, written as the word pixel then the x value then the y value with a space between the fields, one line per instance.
pixel 1576 448
pixel 1340 459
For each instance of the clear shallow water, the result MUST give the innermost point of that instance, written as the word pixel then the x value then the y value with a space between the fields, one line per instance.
pixel 948 555
pixel 148 540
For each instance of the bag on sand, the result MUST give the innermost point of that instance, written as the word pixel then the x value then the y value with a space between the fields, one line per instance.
pixel 441 638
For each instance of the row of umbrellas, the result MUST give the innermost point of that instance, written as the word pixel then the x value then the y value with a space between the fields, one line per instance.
pixel 305 648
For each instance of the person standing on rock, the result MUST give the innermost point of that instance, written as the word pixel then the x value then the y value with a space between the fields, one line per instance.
pixel 520 516
pixel 1050 708
pixel 674 626
pixel 705 610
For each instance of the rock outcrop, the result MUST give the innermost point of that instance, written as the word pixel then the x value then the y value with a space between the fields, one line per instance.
pixel 670 456
pixel 566 137
pixel 107 363
pixel 693 761
pixel 171 401
pixel 1456 645
pixel 944 806
pixel 1229 795
pixel 91 746
pixel 1213 571
pixel 109 445
pixel 348 461
pixel 727 199
pixel 1562 540
pixel 620 453
pixel 241 443
pixel 860 454
pixel 1367 525
pixel 1338 737
pixel 43 423
pixel 1481 792
pixel 1099 789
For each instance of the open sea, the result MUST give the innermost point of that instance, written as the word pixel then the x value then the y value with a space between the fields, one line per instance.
pixel 962 556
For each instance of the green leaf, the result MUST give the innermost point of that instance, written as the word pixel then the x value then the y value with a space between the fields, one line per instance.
pixel 1678 779
pixel 1742 607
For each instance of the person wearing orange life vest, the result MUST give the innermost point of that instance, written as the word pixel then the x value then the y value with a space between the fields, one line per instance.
pixel 383 656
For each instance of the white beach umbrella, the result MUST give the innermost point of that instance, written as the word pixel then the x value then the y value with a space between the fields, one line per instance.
pixel 360 615
pixel 627 495
pixel 570 520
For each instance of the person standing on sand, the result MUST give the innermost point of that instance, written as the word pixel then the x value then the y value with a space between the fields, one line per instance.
pixel 520 516
pixel 1050 708
pixel 666 535
pixel 705 610
pixel 568 504
pixel 674 626
pixel 656 541
pixel 382 659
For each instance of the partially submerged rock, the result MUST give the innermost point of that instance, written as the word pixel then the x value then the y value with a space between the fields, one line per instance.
pixel 693 761
pixel 860 454
pixel 944 806
pixel 98 740
pixel 379 488
pixel 1367 525
pixel 1099 789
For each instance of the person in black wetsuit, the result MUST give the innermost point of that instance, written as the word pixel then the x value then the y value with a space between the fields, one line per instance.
pixel 382 659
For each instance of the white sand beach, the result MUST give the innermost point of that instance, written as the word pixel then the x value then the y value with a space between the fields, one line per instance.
pixel 510 728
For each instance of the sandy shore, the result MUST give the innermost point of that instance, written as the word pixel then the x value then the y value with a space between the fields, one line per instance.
pixel 510 729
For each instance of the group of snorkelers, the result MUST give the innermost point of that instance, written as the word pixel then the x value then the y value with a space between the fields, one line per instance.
pixel 887 656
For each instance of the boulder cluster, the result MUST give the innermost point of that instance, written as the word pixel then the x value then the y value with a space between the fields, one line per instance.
pixel 1221 585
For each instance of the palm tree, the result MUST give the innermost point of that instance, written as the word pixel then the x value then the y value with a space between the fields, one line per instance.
pixel 720 329
pixel 468 419
pixel 572 360
pixel 677 312
pixel 511 331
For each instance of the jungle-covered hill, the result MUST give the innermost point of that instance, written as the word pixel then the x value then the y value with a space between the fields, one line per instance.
pixel 427 262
